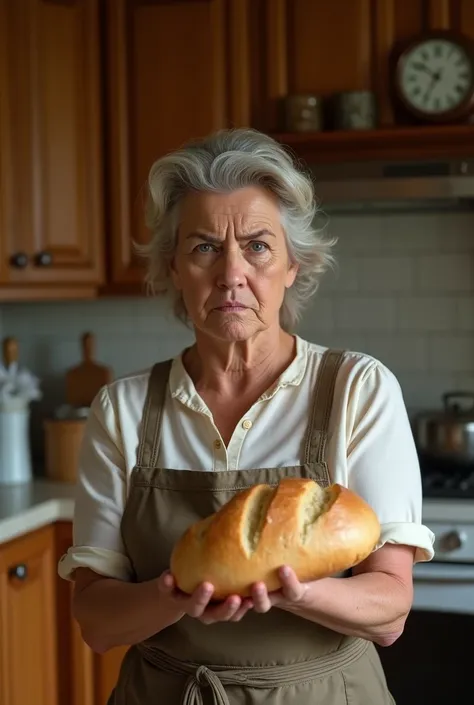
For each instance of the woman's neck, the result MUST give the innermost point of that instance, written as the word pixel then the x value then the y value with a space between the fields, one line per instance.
pixel 229 369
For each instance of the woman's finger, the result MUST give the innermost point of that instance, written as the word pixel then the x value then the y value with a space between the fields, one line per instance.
pixel 291 587
pixel 199 600
pixel 242 611
pixel 223 612
pixel 260 598
pixel 166 582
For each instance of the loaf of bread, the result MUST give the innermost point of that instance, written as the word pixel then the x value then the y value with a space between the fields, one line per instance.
pixel 316 531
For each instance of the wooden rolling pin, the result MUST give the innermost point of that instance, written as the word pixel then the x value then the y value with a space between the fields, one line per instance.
pixel 86 379
pixel 10 351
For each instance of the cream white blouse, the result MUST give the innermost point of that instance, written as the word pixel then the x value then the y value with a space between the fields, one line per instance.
pixel 371 449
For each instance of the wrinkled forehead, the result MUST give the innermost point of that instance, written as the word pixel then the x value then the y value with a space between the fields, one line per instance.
pixel 240 211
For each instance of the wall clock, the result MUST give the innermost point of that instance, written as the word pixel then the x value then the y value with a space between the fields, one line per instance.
pixel 433 77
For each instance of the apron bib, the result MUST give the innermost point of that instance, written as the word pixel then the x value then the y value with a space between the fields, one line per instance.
pixel 272 658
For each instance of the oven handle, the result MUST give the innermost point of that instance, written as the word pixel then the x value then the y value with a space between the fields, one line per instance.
pixel 443 573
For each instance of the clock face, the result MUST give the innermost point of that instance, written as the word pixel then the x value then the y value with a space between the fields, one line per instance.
pixel 437 76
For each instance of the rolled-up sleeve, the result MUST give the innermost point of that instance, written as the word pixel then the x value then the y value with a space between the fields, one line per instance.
pixel 100 498
pixel 382 461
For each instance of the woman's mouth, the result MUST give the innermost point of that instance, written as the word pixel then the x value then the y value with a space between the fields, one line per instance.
pixel 232 307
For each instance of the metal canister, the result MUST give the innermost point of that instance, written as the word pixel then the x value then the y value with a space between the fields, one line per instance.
pixel 355 110
pixel 303 113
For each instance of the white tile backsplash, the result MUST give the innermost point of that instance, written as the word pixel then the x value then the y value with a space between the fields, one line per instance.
pixel 449 273
pixel 429 313
pixel 400 352
pixel 453 353
pixel 382 275
pixel 365 313
pixel 403 291
pixel 465 313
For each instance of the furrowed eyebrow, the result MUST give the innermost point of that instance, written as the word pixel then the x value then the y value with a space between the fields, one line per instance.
pixel 213 239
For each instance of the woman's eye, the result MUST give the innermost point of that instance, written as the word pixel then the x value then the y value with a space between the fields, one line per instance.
pixel 258 246
pixel 204 248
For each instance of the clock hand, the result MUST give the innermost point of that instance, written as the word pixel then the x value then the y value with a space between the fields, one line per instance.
pixel 436 78
pixel 422 67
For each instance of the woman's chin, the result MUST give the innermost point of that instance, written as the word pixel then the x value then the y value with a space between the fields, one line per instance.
pixel 232 331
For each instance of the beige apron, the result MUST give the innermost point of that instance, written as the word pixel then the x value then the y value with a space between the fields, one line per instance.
pixel 273 658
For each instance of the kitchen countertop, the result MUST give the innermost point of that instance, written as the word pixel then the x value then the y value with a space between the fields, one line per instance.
pixel 24 508
pixel 27 507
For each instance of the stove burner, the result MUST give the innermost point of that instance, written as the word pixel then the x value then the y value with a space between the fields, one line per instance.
pixel 446 479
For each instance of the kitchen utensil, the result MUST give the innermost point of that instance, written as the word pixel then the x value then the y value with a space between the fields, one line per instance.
pixel 86 379
pixel 17 386
pixel 17 389
pixel 449 432
pixel 10 352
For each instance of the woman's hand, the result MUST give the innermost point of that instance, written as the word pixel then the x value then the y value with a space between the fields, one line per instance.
pixel 373 603
pixel 198 605
pixel 292 592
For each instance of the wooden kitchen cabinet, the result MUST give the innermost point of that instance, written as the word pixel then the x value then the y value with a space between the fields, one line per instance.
pixel 43 658
pixel 307 46
pixel 323 48
pixel 84 678
pixel 28 666
pixel 94 91
pixel 51 200
pixel 175 70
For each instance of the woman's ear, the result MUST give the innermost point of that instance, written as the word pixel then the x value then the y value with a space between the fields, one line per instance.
pixel 291 274
pixel 175 278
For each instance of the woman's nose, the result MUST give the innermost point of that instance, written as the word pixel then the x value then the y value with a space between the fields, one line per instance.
pixel 231 269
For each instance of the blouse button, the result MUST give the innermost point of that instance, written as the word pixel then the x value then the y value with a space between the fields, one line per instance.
pixel 217 444
pixel 247 424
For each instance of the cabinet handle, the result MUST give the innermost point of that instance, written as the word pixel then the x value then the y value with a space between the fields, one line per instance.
pixel 20 571
pixel 44 259
pixel 19 260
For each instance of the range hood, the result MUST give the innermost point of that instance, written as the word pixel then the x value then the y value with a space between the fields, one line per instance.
pixel 405 185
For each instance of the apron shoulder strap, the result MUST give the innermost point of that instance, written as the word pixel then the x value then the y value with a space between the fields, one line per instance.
pixel 150 434
pixel 318 427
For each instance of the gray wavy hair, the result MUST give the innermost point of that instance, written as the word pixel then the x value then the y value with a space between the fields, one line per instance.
pixel 226 161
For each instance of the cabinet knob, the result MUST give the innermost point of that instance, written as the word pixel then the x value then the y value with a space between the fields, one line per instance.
pixel 451 541
pixel 44 259
pixel 19 260
pixel 20 571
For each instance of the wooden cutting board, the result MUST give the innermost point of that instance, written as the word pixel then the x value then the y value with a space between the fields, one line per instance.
pixel 86 379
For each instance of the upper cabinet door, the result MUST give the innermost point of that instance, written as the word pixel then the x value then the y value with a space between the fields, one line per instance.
pixel 51 168
pixel 307 46
pixel 176 70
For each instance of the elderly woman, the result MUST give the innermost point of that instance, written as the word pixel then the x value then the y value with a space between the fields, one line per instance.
pixel 249 402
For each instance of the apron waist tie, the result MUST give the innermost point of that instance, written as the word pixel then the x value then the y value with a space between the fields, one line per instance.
pixel 215 677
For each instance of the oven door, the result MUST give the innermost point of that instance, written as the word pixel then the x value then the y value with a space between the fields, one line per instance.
pixel 432 662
